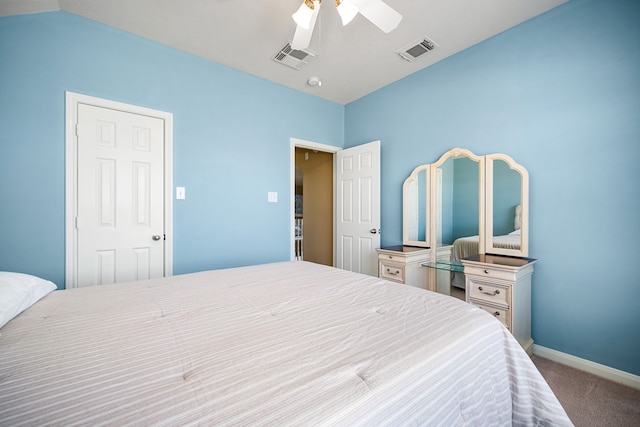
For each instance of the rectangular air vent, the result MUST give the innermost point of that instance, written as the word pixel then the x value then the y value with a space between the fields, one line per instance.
pixel 294 58
pixel 416 49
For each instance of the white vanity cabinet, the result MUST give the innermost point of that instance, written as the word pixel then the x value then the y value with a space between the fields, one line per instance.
pixel 501 285
pixel 472 210
pixel 402 264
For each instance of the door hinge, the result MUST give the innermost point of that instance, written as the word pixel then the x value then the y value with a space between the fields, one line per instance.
pixel 164 237
pixel 77 130
pixel 76 221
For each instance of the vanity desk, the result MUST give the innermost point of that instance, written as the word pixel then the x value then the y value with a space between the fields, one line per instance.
pixel 501 285
pixel 465 207
pixel 402 264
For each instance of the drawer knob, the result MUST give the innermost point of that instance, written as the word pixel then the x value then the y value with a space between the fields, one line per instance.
pixel 494 293
pixel 497 314
pixel 486 272
pixel 394 272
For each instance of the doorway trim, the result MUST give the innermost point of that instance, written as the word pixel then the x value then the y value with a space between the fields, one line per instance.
pixel 72 100
pixel 301 143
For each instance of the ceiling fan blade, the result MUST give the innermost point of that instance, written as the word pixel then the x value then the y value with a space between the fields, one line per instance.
pixel 379 13
pixel 302 36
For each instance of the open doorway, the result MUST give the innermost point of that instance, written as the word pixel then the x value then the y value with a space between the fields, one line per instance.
pixel 355 205
pixel 313 205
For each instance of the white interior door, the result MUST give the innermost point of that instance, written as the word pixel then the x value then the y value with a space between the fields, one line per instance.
pixel 358 208
pixel 120 202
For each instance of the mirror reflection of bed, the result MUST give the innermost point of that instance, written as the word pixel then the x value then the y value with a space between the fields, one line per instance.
pixel 463 247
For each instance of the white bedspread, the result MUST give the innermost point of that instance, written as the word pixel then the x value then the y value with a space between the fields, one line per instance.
pixel 278 344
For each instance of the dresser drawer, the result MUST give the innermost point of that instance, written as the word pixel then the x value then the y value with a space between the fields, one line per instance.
pixel 490 292
pixel 393 258
pixel 392 271
pixel 489 273
pixel 500 313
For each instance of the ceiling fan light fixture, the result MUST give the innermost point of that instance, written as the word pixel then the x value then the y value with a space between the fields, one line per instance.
pixel 346 10
pixel 302 36
pixel 303 15
pixel 376 11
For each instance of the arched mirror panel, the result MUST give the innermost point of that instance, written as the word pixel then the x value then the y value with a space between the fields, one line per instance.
pixel 507 185
pixel 415 224
pixel 458 212
pixel 460 199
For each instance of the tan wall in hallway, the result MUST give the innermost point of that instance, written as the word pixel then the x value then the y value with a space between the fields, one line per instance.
pixel 318 205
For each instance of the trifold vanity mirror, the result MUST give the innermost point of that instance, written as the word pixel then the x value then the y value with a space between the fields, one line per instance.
pixel 464 205
pixel 466 234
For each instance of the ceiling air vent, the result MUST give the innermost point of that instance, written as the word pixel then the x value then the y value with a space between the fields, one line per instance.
pixel 294 58
pixel 415 49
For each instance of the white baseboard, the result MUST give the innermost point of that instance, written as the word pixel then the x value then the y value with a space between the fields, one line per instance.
pixel 597 369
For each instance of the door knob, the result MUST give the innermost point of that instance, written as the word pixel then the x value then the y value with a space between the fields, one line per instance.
pixel 156 237
pixel 373 231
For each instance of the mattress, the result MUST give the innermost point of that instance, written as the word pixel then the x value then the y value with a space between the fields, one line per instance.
pixel 291 343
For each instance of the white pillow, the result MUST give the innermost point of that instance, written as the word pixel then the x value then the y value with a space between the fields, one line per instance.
pixel 20 291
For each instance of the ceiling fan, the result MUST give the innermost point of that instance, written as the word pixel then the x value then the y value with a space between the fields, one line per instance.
pixel 376 11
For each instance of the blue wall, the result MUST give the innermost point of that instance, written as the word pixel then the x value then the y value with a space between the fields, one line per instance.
pixel 231 141
pixel 561 95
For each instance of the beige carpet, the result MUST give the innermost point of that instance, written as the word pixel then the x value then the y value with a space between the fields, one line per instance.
pixel 590 400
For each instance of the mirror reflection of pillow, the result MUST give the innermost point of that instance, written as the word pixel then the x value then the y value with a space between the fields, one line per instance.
pixel 515 233
pixel 517 221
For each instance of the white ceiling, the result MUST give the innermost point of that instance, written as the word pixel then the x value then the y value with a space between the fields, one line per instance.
pixel 352 61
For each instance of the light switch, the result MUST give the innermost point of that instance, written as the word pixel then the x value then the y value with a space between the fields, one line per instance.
pixel 180 193
pixel 272 197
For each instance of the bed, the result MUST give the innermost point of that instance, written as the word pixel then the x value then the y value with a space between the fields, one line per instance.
pixel 291 343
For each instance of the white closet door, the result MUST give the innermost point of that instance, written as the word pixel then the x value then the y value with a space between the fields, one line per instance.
pixel 120 196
